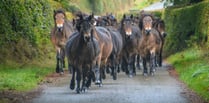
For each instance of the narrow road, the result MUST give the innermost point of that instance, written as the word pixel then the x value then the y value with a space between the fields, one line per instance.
pixel 161 88
pixel 157 6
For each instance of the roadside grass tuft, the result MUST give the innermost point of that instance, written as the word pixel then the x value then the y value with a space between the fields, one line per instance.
pixel 193 69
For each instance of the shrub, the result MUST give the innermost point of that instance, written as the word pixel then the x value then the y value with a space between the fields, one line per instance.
pixel 24 20
pixel 186 24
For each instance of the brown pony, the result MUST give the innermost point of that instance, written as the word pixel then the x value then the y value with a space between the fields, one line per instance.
pixel 159 25
pixel 131 35
pixel 150 43
pixel 106 46
pixel 117 40
pixel 59 35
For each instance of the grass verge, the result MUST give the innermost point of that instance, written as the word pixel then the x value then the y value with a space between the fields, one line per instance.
pixel 193 69
pixel 22 77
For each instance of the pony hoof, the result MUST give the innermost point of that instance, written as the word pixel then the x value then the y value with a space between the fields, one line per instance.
pixel 114 77
pixel 107 70
pixel 145 74
pixel 100 85
pixel 72 86
pixel 84 89
pixel 61 73
pixel 57 70
pixel 88 84
pixel 97 82
pixel 130 76
pixel 152 73
pixel 118 70
pixel 78 90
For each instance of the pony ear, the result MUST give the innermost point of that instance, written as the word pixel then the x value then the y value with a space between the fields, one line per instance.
pixel 92 15
pixel 80 17
pixel 74 22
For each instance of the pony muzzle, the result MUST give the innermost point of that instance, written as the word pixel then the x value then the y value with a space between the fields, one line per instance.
pixel 128 33
pixel 86 38
pixel 147 31
pixel 60 27
pixel 164 34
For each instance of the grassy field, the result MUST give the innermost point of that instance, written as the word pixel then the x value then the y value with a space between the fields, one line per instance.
pixel 193 69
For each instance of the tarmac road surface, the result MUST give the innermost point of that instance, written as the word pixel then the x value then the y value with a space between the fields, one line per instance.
pixel 161 88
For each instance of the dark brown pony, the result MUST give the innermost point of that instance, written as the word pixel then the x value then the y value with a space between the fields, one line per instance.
pixel 82 52
pixel 59 35
pixel 108 20
pixel 131 35
pixel 150 43
pixel 103 36
pixel 159 25
pixel 112 20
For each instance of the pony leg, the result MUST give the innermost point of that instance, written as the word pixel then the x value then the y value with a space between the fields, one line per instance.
pixel 144 66
pixel 103 72
pixel 131 65
pixel 138 62
pixel 123 64
pixel 58 63
pixel 89 77
pixel 134 67
pixel 63 56
pixel 160 59
pixel 156 61
pixel 72 83
pixel 113 67
pixel 61 66
pixel 84 73
pixel 97 70
pixel 70 69
pixel 152 63
pixel 97 74
pixel 114 72
pixel 119 66
pixel 108 70
pixel 78 78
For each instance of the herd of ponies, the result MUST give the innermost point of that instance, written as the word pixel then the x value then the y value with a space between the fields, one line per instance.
pixel 96 45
